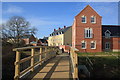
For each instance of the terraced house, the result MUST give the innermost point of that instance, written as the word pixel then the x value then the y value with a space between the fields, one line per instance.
pixel 89 35
pixel 61 37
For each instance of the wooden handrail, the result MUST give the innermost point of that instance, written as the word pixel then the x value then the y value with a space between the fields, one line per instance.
pixel 25 48
pixel 42 52
pixel 74 62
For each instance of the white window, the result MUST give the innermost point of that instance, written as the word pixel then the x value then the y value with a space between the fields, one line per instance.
pixel 93 45
pixel 93 19
pixel 107 34
pixel 83 19
pixel 88 33
pixel 107 45
pixel 83 45
pixel 62 32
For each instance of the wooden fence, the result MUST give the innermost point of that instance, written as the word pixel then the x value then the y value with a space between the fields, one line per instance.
pixel 33 59
pixel 74 62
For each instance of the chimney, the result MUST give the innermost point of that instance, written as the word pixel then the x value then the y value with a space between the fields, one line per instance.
pixel 54 29
pixel 59 28
pixel 64 26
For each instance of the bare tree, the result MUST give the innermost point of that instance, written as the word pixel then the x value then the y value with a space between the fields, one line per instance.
pixel 15 28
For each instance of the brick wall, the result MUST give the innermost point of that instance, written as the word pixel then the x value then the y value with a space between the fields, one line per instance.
pixel 114 43
pixel 78 31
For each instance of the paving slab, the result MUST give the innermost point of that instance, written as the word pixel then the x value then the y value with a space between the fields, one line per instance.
pixel 57 68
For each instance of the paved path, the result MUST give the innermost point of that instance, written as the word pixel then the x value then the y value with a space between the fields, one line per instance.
pixel 57 68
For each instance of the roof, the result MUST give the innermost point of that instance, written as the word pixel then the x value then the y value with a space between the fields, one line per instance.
pixel 33 42
pixel 27 36
pixel 46 38
pixel 114 29
pixel 43 40
pixel 63 30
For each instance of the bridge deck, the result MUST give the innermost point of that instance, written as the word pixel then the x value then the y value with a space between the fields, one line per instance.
pixel 58 67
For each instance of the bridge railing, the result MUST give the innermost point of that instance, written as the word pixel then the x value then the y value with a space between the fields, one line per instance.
pixel 36 55
pixel 74 62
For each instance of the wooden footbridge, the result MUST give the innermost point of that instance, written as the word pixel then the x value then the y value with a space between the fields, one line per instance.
pixel 43 62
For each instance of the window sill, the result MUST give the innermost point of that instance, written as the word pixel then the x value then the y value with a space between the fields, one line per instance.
pixel 90 38
pixel 84 22
pixel 83 48
pixel 93 22
pixel 93 48
pixel 107 37
pixel 107 48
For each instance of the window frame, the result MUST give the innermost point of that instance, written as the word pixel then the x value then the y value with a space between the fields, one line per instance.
pixel 107 32
pixel 82 19
pixel 88 33
pixel 84 45
pixel 94 18
pixel 106 43
pixel 94 44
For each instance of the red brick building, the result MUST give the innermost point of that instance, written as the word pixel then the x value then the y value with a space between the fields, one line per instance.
pixel 89 35
pixel 111 38
pixel 29 39
pixel 42 42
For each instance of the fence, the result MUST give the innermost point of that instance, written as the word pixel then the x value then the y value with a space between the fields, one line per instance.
pixel 36 55
pixel 74 62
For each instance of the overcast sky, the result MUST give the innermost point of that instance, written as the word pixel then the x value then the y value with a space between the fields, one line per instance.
pixel 47 16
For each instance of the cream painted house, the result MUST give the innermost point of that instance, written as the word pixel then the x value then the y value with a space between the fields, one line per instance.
pixel 62 36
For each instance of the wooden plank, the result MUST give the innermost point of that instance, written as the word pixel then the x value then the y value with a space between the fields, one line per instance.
pixel 32 47
pixel 74 59
pixel 32 59
pixel 27 69
pixel 17 66
pixel 33 55
pixel 40 58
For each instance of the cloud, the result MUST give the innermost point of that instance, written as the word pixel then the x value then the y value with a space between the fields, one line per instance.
pixel 13 10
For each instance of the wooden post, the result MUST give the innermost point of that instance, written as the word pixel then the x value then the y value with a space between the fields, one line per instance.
pixel 74 58
pixel 48 54
pixel 17 66
pixel 76 65
pixel 40 58
pixel 53 52
pixel 32 59
pixel 45 54
pixel 52 55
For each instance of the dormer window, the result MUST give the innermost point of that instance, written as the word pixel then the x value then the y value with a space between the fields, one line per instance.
pixel 84 19
pixel 93 19
pixel 62 32
pixel 107 34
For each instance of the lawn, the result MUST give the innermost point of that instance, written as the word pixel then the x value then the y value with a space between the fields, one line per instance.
pixel 100 53
pixel 103 67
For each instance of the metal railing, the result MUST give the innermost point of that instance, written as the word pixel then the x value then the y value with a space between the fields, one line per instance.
pixel 37 56
pixel 74 62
